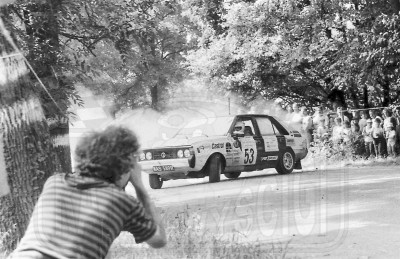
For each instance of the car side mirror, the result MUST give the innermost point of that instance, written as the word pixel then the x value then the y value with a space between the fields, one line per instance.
pixel 237 134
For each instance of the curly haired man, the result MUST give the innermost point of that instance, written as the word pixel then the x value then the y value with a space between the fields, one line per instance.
pixel 79 215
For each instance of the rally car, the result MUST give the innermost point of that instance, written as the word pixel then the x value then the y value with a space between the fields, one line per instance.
pixel 228 145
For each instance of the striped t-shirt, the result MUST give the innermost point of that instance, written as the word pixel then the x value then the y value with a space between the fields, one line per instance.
pixel 79 217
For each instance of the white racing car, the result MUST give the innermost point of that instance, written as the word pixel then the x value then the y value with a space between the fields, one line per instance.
pixel 230 145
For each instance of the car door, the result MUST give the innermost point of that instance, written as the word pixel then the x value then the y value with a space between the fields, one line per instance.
pixel 249 144
pixel 272 141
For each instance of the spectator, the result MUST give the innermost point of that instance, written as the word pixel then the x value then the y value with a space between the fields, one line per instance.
pixel 337 131
pixel 346 132
pixel 317 115
pixel 368 140
pixel 342 114
pixel 307 125
pixel 397 128
pixel 355 115
pixel 389 119
pixel 296 108
pixel 331 123
pixel 322 131
pixel 79 215
pixel 356 138
pixel 289 114
pixel 297 117
pixel 396 115
pixel 355 128
pixel 391 140
pixel 378 136
pixel 373 114
pixel 363 121
pixel 330 115
pixel 325 108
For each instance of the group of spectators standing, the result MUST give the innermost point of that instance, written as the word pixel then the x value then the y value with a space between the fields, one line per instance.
pixel 367 132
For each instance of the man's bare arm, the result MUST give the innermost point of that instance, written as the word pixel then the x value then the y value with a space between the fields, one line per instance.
pixel 159 239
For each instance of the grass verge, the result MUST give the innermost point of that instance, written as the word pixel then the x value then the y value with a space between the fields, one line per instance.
pixel 187 238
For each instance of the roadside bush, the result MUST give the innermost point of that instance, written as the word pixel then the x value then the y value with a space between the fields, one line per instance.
pixel 334 152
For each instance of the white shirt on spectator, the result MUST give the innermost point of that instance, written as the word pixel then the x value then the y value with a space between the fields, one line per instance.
pixel 307 123
pixel 386 123
pixel 367 133
pixel 337 132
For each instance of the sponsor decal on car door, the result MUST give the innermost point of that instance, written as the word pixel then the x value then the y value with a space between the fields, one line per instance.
pixel 270 143
pixel 233 153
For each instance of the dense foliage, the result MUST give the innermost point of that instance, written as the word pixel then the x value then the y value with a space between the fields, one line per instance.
pixel 135 52
pixel 130 51
pixel 305 51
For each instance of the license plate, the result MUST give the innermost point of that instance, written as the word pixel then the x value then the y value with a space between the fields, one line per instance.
pixel 163 168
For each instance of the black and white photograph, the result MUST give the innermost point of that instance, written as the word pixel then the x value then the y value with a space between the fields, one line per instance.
pixel 199 129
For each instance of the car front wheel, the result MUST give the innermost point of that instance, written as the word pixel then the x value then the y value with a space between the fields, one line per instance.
pixel 155 181
pixel 215 168
pixel 286 162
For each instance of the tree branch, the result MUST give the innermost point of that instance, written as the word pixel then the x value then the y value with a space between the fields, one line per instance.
pixel 172 53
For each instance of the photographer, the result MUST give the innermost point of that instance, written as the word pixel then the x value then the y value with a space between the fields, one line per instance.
pixel 79 215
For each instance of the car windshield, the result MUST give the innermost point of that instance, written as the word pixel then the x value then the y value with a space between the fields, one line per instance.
pixel 214 126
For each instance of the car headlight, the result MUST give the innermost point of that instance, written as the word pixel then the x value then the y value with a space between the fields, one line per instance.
pixel 186 153
pixel 149 156
pixel 142 156
pixel 179 153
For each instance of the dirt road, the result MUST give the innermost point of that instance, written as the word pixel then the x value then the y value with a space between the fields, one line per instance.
pixel 338 213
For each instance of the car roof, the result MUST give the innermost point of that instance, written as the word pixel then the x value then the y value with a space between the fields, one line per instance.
pixel 254 115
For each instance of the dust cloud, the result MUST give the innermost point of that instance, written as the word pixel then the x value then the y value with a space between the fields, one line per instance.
pixel 193 109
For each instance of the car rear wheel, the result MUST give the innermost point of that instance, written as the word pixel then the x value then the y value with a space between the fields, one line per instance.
pixel 215 168
pixel 286 162
pixel 155 181
pixel 233 175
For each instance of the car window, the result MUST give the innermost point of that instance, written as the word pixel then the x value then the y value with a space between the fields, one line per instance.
pixel 248 129
pixel 265 126
pixel 277 131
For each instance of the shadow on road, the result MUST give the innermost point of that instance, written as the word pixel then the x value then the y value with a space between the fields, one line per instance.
pixel 244 176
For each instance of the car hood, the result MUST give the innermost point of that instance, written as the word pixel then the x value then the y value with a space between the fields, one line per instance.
pixel 183 141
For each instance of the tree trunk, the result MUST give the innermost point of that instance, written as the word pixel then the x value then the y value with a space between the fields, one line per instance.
pixel 395 6
pixel 154 97
pixel 365 97
pixel 354 96
pixel 26 159
pixel 42 28
pixel 386 92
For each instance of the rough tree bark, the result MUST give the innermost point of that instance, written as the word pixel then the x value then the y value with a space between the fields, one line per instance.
pixel 395 6
pixel 42 28
pixel 26 152
pixel 365 96
pixel 386 93
pixel 154 97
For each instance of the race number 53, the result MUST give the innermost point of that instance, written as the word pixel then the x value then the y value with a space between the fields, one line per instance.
pixel 248 155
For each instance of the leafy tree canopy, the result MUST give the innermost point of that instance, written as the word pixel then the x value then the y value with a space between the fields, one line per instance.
pixel 305 50
pixel 130 50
